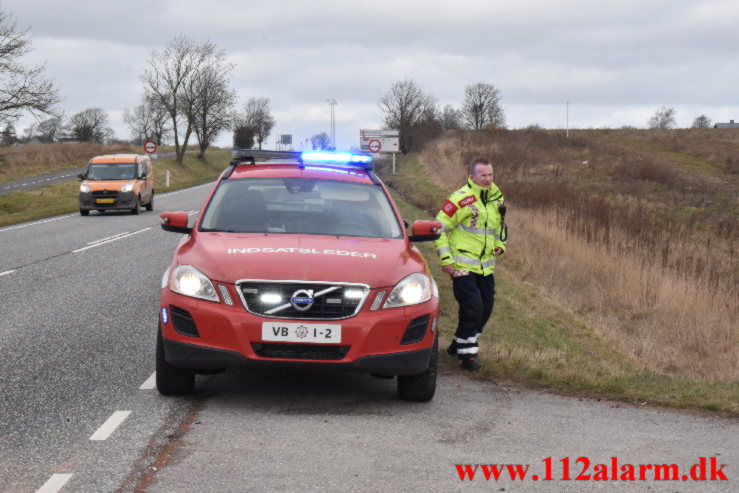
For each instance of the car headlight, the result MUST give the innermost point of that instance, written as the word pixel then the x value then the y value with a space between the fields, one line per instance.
pixel 127 187
pixel 84 188
pixel 412 290
pixel 189 281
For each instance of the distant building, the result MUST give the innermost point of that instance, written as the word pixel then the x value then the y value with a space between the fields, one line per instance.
pixel 731 124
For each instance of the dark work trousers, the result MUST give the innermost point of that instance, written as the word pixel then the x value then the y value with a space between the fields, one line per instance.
pixel 475 294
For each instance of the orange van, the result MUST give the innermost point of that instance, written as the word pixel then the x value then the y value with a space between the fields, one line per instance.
pixel 117 182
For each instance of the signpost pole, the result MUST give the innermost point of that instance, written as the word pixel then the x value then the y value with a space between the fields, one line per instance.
pixel 394 163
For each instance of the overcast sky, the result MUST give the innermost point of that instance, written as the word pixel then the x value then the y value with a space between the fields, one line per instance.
pixel 615 62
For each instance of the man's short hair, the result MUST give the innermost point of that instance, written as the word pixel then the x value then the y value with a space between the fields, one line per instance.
pixel 476 161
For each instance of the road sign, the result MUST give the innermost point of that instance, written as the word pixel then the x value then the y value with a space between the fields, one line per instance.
pixel 389 140
pixel 375 145
pixel 150 147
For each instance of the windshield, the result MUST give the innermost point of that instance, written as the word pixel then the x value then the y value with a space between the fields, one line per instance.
pixel 111 171
pixel 301 206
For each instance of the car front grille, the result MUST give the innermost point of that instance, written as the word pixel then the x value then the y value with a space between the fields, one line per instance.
pixel 299 351
pixel 105 194
pixel 302 300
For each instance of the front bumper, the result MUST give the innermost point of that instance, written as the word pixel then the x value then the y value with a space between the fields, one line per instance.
pixel 216 336
pixel 202 358
pixel 121 201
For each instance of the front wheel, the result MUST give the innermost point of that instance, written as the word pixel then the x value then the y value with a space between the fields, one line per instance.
pixel 421 387
pixel 84 212
pixel 171 380
pixel 150 205
pixel 137 206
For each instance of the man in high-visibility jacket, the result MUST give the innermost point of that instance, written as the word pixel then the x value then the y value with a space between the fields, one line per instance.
pixel 473 222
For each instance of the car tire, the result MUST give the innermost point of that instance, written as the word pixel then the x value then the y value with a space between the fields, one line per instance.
pixel 137 207
pixel 84 212
pixel 150 205
pixel 421 387
pixel 171 380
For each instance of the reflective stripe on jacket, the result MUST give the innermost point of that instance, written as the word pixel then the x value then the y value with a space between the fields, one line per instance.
pixel 471 228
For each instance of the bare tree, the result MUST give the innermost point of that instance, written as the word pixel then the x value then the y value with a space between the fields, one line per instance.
pixel 8 136
pixel 320 141
pixel 663 118
pixel 702 121
pixel 481 107
pixel 450 118
pixel 90 125
pixel 148 121
pixel 21 88
pixel 214 101
pixel 404 105
pixel 243 136
pixel 256 119
pixel 172 80
pixel 48 130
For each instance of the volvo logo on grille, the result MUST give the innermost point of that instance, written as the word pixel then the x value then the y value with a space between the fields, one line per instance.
pixel 302 299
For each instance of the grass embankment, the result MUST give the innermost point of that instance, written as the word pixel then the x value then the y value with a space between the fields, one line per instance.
pixel 37 159
pixel 572 313
pixel 62 198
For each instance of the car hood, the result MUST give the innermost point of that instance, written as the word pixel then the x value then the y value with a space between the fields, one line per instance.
pixel 228 257
pixel 97 185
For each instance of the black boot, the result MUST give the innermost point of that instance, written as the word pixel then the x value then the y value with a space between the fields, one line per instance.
pixel 452 349
pixel 471 364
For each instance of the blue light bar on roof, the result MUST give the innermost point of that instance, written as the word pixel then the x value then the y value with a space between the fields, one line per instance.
pixel 336 157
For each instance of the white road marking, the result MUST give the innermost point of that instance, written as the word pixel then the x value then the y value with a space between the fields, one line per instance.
pixel 150 383
pixel 108 241
pixel 6 273
pixel 190 213
pixel 108 238
pixel 110 426
pixel 37 222
pixel 55 483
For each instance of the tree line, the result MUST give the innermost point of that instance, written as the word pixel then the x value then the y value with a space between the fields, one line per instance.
pixel 187 95
pixel 418 118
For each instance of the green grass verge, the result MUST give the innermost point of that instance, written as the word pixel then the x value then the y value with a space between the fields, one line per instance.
pixel 532 341
pixel 62 198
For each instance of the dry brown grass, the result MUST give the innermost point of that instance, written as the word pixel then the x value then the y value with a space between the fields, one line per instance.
pixel 633 230
pixel 36 159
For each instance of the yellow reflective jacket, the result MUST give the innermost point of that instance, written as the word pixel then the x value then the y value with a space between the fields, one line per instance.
pixel 471 228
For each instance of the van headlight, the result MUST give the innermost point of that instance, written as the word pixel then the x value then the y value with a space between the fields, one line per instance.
pixel 189 281
pixel 127 187
pixel 412 290
pixel 84 188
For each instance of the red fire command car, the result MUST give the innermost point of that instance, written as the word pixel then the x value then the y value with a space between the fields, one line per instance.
pixel 300 261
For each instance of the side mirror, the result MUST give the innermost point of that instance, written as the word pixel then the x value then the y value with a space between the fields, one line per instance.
pixel 425 231
pixel 81 176
pixel 142 177
pixel 176 222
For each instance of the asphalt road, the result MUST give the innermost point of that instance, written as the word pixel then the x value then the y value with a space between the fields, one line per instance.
pixel 31 182
pixel 77 334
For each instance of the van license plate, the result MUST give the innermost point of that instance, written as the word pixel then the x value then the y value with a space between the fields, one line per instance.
pixel 104 201
pixel 301 332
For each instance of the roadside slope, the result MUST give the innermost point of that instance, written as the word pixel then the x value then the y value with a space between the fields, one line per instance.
pixel 539 335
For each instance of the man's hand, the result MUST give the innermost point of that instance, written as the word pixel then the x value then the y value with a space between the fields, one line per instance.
pixel 448 269
pixel 498 251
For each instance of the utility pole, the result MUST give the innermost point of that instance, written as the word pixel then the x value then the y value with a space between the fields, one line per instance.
pixel 332 102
